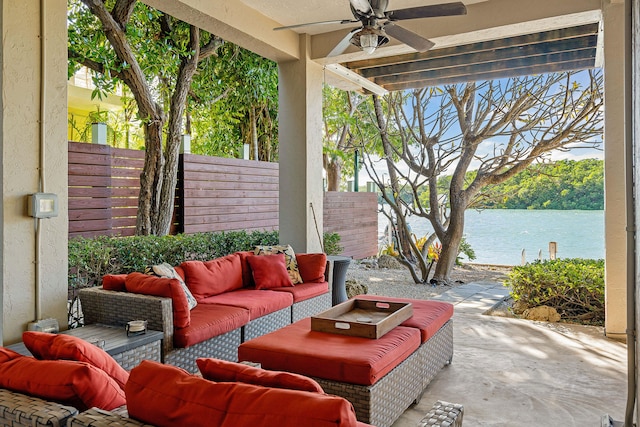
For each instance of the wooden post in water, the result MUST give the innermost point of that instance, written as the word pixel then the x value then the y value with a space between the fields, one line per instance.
pixel 523 258
pixel 553 249
pixel 539 254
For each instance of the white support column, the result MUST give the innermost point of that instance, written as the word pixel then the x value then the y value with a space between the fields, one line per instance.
pixel 300 138
pixel 614 170
pixel 23 110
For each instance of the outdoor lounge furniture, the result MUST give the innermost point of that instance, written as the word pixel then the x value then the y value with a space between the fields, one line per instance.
pixel 230 306
pixel 382 377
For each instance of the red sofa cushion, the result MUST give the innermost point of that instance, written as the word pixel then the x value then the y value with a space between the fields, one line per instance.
pixel 247 275
pixel 114 282
pixel 258 302
pixel 162 287
pixel 304 291
pixel 7 354
pixel 428 316
pixel 296 348
pixel 208 321
pixel 312 267
pixel 223 371
pixel 213 277
pixel 269 271
pixel 59 346
pixel 164 395
pixel 76 384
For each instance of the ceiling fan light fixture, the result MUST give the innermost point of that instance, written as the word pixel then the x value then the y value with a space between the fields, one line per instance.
pixel 369 39
pixel 368 43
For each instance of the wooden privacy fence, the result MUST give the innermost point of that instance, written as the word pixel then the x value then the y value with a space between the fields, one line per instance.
pixel 213 194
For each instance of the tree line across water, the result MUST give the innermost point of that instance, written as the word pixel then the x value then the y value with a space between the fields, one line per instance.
pixel 564 184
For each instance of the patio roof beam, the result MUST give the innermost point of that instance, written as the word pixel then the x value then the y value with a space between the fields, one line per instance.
pixel 491 56
pixel 495 74
pixel 523 40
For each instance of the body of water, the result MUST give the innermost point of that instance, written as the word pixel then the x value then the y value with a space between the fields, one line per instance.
pixel 498 236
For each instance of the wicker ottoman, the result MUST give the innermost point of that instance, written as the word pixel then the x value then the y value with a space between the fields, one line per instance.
pixel 443 414
pixel 380 401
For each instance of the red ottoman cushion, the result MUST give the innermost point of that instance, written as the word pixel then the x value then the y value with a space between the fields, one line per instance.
pixel 296 348
pixel 428 316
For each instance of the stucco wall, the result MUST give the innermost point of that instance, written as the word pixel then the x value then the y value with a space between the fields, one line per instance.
pixel 614 172
pixel 20 77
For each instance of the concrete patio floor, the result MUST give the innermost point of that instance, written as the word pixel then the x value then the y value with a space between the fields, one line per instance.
pixel 512 372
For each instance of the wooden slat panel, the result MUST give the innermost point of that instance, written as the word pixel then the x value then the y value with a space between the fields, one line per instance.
pixel 85 214
pixel 354 217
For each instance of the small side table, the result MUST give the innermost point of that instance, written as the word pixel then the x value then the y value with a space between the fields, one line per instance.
pixel 338 266
pixel 128 351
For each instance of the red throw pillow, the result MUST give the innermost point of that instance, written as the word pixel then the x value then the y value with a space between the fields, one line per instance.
pixel 59 346
pixel 269 271
pixel 162 287
pixel 223 371
pixel 312 267
pixel 114 282
pixel 7 354
pixel 206 279
pixel 164 395
pixel 76 384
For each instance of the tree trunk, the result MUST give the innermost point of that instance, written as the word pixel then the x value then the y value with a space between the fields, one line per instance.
pixel 149 178
pixel 334 171
pixel 164 216
pixel 450 242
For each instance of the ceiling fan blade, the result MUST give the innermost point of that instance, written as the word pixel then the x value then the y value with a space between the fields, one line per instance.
pixel 444 9
pixel 335 21
pixel 361 5
pixel 407 37
pixel 343 45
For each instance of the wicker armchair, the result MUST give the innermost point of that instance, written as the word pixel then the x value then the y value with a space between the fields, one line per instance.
pixel 17 409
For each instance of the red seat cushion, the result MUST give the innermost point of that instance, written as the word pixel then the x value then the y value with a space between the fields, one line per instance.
pixel 428 316
pixel 312 267
pixel 296 348
pixel 162 287
pixel 59 346
pixel 269 271
pixel 223 371
pixel 258 302
pixel 76 384
pixel 164 395
pixel 214 277
pixel 304 291
pixel 208 321
pixel 114 282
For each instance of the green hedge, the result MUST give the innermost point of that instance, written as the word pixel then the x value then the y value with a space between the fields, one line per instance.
pixel 574 287
pixel 92 258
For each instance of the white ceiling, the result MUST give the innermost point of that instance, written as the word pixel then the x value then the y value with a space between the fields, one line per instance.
pixel 294 12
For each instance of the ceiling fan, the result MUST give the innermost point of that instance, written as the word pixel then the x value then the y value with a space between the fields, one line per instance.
pixel 378 24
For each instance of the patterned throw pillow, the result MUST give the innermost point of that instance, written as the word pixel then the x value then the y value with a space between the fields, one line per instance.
pixel 289 257
pixel 165 270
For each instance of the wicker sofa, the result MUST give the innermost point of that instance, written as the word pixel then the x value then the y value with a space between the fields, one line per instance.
pixel 220 322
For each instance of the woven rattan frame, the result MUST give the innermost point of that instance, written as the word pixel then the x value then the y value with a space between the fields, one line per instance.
pixel 17 409
pixel 265 324
pixel 98 418
pixel 443 414
pixel 118 308
pixel 382 403
pixel 131 358
pixel 310 307
pixel 223 347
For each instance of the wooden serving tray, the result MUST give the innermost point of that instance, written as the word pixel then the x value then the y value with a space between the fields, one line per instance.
pixel 362 318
